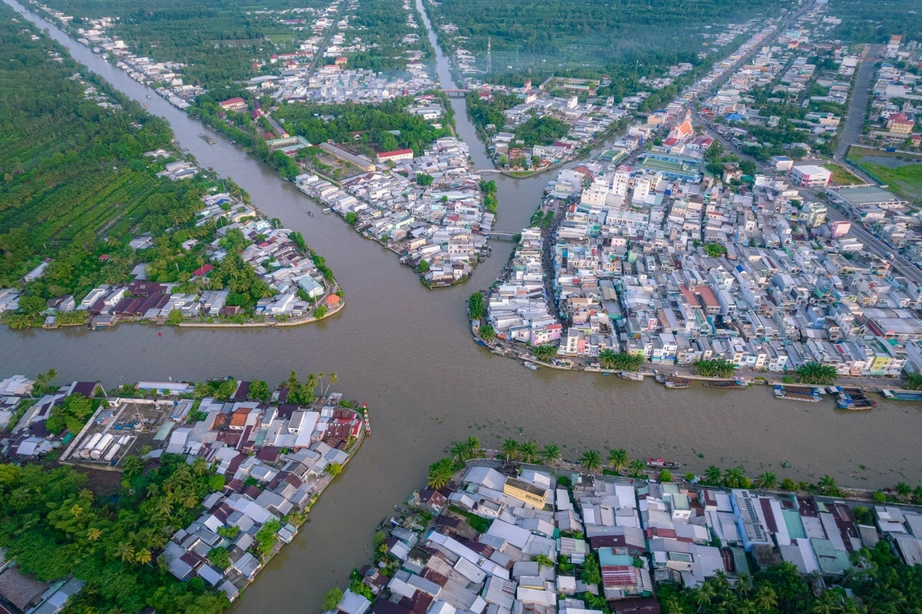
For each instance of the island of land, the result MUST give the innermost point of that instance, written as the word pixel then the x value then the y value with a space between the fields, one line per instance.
pixel 163 495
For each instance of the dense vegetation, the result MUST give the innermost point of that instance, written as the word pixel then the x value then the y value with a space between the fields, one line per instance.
pixel 596 36
pixel 217 41
pixel 882 583
pixel 867 22
pixel 382 26
pixel 53 526
pixel 75 185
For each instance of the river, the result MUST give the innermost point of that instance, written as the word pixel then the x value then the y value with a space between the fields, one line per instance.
pixel 407 352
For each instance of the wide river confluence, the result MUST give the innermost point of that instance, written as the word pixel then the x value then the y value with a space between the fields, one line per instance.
pixel 407 352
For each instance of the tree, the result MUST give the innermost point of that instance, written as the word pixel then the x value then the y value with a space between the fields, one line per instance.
pixel 510 448
pixel 473 446
pixel 543 560
pixel 733 477
pixel 351 218
pixel 665 475
pixel 591 573
pixel 618 459
pixel 815 373
pixel 332 378
pixel 591 460
pixel 638 468
pixel 475 306
pixel 334 469
pixel 788 484
pixel 827 486
pixel 528 451
pixel 718 367
pixel 713 475
pixel 550 453
pixel 422 267
pixel 487 333
pixel 460 452
pixel 125 552
pixel 331 599
pixel 714 249
pixel 767 481
pixel 440 473
pixel 219 557
pixel 175 318
pixel 912 381
pixel 545 352
pixel 903 490
pixel 259 391
pixel 423 179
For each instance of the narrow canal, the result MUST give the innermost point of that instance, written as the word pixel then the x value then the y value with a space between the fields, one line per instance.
pixel 407 351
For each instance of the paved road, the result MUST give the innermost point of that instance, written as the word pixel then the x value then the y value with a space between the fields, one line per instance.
pixel 876 246
pixel 859 102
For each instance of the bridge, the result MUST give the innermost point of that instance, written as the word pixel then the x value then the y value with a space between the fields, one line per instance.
pixel 503 236
pixel 454 93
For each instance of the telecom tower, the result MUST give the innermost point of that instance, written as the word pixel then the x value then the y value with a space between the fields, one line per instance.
pixel 489 54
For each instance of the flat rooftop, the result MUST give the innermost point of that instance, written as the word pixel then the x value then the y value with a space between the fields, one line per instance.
pixel 868 195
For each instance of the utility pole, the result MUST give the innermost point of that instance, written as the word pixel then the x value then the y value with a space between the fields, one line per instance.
pixel 489 54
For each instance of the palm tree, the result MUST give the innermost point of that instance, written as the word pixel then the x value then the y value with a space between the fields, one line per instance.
pixel 439 475
pixel 591 460
pixel 767 481
pixel 744 583
pixel 705 595
pixel 618 459
pixel 473 446
pixel 543 560
pixel 733 478
pixel 199 466
pixel 510 448
pixel 637 468
pixel 143 556
pixel 460 452
pixel 766 598
pixel 550 454
pixel 331 380
pixel 93 534
pixel 528 452
pixel 828 486
pixel 163 508
pixel 903 490
pixel 125 552
pixel 52 376
pixel 713 475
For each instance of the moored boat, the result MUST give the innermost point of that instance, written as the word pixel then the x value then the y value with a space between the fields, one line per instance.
pixel 733 384
pixel 902 395
pixel 677 383
pixel 530 365
pixel 809 395
pixel 854 402
pixel 659 463
pixel 633 376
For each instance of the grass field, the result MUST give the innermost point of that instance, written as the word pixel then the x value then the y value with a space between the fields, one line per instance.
pixel 902 173
pixel 841 175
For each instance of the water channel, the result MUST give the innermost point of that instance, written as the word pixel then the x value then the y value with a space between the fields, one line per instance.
pixel 408 352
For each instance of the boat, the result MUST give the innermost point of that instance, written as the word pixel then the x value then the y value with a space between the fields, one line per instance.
pixel 633 376
pixel 206 138
pixel 727 384
pixel 902 395
pixel 658 463
pixel 480 343
pixel 497 351
pixel 310 214
pixel 809 395
pixel 677 383
pixel 854 402
pixel 530 365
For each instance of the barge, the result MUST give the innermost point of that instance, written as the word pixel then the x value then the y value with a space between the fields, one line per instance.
pixel 206 138
pixel 733 384
pixel 809 395
pixel 902 395
pixel 633 376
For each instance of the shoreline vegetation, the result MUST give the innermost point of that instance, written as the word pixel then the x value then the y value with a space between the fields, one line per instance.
pixel 140 498
pixel 153 239
pixel 541 515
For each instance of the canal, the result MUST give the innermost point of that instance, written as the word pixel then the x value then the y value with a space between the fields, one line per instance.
pixel 407 352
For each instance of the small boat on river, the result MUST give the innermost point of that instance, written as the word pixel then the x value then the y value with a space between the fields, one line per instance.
pixel 658 463
pixel 808 395
pixel 733 384
pixel 530 365
pixel 632 376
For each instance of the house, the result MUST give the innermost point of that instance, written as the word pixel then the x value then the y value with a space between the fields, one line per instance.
pixel 234 104
pixel 395 156
pixel 809 176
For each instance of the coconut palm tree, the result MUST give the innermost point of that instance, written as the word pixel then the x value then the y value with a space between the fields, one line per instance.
pixel 550 454
pixel 713 475
pixel 332 378
pixel 473 446
pixel 618 459
pixel 637 468
pixel 828 486
pixel 460 452
pixel 142 556
pixel 510 448
pixel 705 595
pixel 125 552
pixel 52 376
pixel 767 481
pixel 765 598
pixel 733 478
pixel 591 460
pixel 903 490
pixel 543 560
pixel 439 474
pixel 528 452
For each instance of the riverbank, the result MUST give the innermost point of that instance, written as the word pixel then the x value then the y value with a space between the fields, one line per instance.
pixel 553 522
pixel 266 458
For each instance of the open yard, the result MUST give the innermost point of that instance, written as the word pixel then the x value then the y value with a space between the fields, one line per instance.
pixel 902 173
pixel 842 176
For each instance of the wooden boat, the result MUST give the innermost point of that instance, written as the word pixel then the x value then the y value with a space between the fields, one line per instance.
pixel 658 463
pixel 677 383
pixel 530 365
pixel 633 376
pixel 727 384
pixel 207 138
pixel 902 395
pixel 810 395
pixel 854 402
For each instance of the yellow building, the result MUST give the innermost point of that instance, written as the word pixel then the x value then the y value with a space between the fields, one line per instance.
pixel 525 492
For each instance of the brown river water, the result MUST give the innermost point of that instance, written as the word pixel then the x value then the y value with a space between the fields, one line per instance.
pixel 408 352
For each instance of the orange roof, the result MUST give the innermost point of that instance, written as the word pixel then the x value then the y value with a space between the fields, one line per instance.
pixel 332 299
